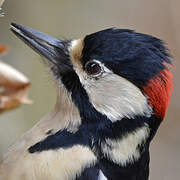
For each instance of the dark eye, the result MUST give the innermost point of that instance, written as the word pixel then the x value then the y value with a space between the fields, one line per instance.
pixel 93 68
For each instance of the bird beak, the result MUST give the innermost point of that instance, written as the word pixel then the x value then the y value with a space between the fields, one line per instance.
pixel 51 48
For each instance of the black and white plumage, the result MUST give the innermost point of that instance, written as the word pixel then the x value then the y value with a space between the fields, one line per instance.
pixel 113 89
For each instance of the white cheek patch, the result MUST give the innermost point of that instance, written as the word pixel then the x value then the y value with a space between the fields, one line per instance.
pixel 125 150
pixel 115 96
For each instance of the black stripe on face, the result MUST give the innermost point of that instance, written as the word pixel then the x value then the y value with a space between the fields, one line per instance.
pixel 92 135
pixel 61 139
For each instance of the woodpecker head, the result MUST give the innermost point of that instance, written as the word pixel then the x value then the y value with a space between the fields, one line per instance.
pixel 113 74
pixel 116 67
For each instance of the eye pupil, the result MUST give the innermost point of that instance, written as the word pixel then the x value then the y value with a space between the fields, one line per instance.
pixel 93 68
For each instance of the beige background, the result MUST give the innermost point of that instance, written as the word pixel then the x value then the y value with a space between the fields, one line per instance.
pixel 76 18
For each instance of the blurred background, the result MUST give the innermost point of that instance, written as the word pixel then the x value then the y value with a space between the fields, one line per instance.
pixel 74 19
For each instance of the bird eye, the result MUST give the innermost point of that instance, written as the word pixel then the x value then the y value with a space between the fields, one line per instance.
pixel 93 68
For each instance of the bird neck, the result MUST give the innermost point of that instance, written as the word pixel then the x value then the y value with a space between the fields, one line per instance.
pixel 65 112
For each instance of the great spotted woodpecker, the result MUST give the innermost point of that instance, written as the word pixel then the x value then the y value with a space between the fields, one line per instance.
pixel 113 89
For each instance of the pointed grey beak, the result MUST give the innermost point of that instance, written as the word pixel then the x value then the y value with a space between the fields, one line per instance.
pixel 51 48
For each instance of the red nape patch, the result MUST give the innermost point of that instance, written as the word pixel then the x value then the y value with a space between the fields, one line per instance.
pixel 158 91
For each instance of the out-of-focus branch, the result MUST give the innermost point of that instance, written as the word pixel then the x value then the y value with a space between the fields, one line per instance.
pixel 14 86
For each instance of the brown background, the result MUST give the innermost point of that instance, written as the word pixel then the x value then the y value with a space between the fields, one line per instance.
pixel 74 19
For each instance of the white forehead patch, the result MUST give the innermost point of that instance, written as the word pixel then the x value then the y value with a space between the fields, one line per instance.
pixel 75 51
pixel 74 43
